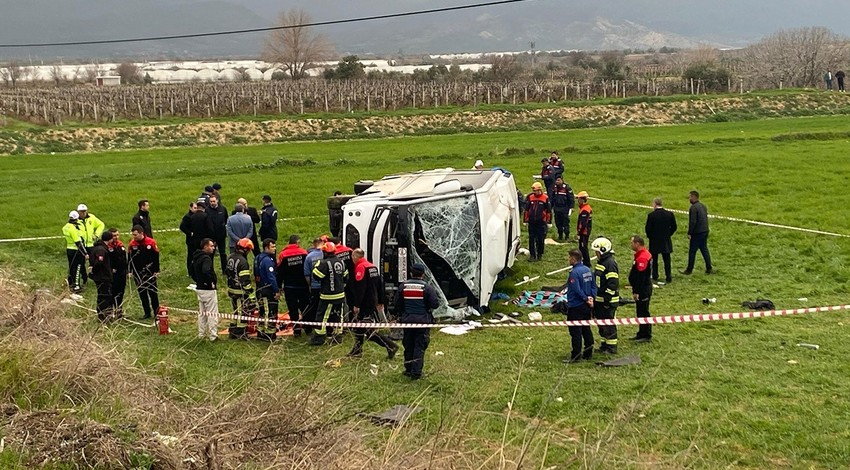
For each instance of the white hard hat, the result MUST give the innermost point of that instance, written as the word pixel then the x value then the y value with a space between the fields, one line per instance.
pixel 479 163
pixel 82 207
pixel 74 215
pixel 602 245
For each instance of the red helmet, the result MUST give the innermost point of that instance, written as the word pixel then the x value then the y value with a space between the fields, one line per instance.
pixel 245 244
pixel 329 247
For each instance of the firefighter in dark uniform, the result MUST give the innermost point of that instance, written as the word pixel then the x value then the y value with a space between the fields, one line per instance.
pixel 538 214
pixel 562 207
pixel 607 275
pixel 584 224
pixel 367 292
pixel 101 274
pixel 640 279
pixel 118 259
pixel 290 276
pixel 331 273
pixel 414 302
pixel 238 273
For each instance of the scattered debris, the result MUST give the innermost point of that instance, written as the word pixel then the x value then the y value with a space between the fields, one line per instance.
pixel 808 346
pixel 792 361
pixel 523 251
pixel 707 300
pixel 394 416
pixel 551 241
pixel 620 361
pixel 165 439
pixel 457 330
pixel 559 399
pixel 439 353
pixel 373 369
pixel 803 299
pixel 535 316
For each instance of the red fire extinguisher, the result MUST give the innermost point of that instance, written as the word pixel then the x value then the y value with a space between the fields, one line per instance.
pixel 252 323
pixel 162 319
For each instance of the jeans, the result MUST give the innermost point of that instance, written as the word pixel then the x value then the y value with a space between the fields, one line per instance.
pixel 699 241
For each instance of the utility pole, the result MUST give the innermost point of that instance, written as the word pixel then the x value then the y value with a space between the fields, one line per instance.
pixel 532 54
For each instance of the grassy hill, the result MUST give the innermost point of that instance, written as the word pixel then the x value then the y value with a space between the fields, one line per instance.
pixel 727 394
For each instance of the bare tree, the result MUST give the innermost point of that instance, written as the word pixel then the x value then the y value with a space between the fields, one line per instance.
pixel 56 74
pixel 296 49
pixel 504 67
pixel 130 73
pixel 91 72
pixel 796 57
pixel 13 72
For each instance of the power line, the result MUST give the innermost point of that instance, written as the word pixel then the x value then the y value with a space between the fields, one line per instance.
pixel 270 28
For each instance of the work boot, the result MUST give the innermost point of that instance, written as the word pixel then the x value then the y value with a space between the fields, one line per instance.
pixel 316 340
pixel 356 352
pixel 391 351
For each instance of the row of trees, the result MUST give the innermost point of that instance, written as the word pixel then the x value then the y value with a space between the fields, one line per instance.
pixel 796 57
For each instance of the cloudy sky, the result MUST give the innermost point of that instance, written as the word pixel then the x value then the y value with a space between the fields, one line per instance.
pixel 551 24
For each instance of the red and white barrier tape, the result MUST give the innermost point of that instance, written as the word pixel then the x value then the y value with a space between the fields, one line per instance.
pixel 692 318
pixel 57 237
pixel 732 219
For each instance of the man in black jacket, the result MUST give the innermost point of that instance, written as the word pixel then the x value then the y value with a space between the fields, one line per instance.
pixel 186 228
pixel 367 290
pixel 143 261
pixel 660 227
pixel 414 301
pixel 205 287
pixel 118 260
pixel 217 216
pixel 143 217
pixel 697 233
pixel 268 219
pixel 101 274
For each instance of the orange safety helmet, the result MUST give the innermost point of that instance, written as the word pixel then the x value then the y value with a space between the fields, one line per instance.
pixel 329 247
pixel 246 244
pixel 536 186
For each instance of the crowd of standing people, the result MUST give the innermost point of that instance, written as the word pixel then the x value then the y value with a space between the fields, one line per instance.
pixel 592 291
pixel 328 282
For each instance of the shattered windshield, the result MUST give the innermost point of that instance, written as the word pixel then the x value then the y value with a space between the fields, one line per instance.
pixel 447 238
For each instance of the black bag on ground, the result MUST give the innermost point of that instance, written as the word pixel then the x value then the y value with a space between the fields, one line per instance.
pixel 759 304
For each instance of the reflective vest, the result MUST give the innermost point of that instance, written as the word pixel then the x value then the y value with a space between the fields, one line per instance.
pixel 73 236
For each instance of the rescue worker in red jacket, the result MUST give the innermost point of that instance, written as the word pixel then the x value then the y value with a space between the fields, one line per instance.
pixel 640 279
pixel 331 273
pixel 367 292
pixel 143 260
pixel 290 276
pixel 538 214
pixel 584 224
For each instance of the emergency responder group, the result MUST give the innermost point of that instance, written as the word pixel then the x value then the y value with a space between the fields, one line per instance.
pixel 593 291
pixel 321 285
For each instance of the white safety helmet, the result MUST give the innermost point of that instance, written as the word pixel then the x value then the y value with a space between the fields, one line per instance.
pixel 602 245
pixel 74 215
pixel 82 207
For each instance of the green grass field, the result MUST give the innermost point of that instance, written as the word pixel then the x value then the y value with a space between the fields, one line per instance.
pixel 726 394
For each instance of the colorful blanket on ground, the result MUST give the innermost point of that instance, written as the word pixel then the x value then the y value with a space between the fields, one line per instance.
pixel 537 298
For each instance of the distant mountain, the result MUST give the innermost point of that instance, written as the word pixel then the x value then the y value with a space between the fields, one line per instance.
pixel 551 24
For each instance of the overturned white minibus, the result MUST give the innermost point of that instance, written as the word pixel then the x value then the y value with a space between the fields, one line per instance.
pixel 463 225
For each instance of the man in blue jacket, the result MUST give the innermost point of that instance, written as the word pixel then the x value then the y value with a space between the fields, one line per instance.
pixel 581 289
pixel 268 291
